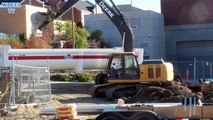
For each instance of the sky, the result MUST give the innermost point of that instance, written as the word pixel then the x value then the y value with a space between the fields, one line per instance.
pixel 143 4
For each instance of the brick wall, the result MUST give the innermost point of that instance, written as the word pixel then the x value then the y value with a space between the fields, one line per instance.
pixel 77 15
pixel 10 23
pixel 20 21
pixel 33 2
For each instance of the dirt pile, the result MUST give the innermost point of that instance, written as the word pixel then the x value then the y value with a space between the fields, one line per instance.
pixel 168 91
pixel 64 93
pixel 174 92
pixel 207 90
pixel 22 112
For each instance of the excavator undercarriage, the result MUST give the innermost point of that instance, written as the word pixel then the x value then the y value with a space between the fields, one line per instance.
pixel 165 91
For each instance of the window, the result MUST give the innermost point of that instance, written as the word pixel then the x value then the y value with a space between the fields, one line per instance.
pixel 130 61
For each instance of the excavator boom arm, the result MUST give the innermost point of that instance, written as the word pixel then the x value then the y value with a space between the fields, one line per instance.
pixel 120 22
pixel 114 15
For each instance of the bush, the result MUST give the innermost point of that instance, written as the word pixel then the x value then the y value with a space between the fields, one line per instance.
pixel 61 78
pixel 4 42
pixel 22 37
pixel 12 42
pixel 15 43
pixel 37 42
pixel 81 77
pixel 86 77
pixel 96 35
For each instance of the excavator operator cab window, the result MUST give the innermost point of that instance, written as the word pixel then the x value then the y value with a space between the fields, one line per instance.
pixel 123 66
pixel 131 67
pixel 130 62
pixel 116 67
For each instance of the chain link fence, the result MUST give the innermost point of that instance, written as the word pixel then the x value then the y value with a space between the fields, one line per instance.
pixel 5 87
pixel 193 71
pixel 30 85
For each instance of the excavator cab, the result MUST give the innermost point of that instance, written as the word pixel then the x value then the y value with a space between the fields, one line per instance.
pixel 123 66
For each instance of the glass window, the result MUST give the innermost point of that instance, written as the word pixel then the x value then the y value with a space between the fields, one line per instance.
pixel 116 62
pixel 130 61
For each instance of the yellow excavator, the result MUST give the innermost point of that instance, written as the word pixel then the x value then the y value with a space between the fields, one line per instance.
pixel 124 76
pixel 128 77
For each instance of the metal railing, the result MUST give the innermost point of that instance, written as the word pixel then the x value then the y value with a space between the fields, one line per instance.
pixel 30 85
pixel 192 71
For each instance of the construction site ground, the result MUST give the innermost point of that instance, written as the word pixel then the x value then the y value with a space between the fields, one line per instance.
pixel 62 93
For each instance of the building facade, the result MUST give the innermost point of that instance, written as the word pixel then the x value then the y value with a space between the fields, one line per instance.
pixel 188 28
pixel 188 35
pixel 25 16
pixel 147 26
pixel 19 22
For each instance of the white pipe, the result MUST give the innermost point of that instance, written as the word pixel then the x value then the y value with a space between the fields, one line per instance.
pixel 105 107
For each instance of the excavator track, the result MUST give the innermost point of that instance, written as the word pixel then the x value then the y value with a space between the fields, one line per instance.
pixel 121 91
pixel 142 92
pixel 100 90
pixel 125 91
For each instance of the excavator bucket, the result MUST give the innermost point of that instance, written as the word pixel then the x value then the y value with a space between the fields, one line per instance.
pixel 40 20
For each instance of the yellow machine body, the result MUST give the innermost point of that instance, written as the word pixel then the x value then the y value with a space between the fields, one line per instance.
pixel 150 73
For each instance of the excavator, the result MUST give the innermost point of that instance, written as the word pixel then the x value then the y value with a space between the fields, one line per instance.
pixel 124 76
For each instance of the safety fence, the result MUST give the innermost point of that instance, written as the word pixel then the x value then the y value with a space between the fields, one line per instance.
pixel 5 87
pixel 192 71
pixel 30 85
pixel 24 85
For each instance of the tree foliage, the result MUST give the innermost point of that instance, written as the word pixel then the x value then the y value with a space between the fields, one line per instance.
pixel 38 42
pixel 15 43
pixel 96 35
pixel 59 26
pixel 81 35
pixel 81 38
pixel 22 37
pixel 68 30
pixel 96 40
pixel 3 42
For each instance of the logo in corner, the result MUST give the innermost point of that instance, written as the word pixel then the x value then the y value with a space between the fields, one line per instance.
pixel 10 6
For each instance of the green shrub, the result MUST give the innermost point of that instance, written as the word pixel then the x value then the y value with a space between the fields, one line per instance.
pixel 61 78
pixel 86 77
pixel 22 37
pixel 81 77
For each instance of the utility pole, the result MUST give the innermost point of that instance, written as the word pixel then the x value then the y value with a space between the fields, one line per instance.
pixel 131 2
pixel 194 69
pixel 73 32
pixel 210 70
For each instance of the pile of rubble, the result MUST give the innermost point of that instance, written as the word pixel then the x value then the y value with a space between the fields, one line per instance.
pixel 207 91
pixel 27 112
pixel 172 91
